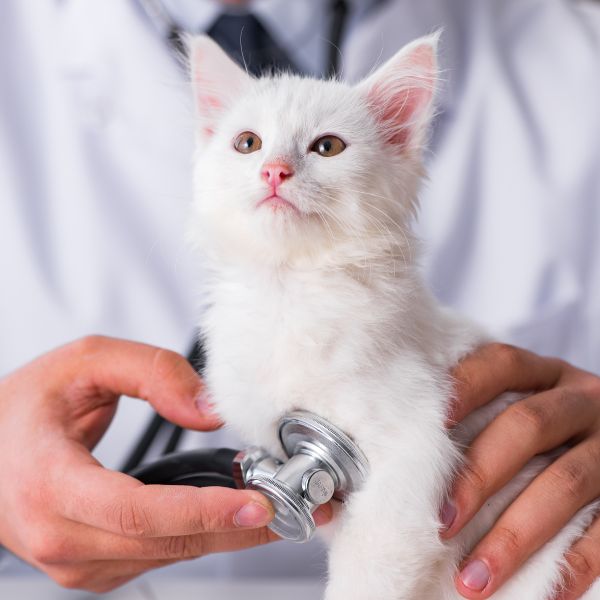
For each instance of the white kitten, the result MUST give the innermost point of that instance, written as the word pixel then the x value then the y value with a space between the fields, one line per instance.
pixel 305 191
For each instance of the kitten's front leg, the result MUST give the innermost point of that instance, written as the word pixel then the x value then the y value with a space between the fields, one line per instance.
pixel 387 546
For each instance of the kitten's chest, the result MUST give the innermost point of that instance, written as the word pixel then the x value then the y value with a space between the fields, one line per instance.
pixel 274 346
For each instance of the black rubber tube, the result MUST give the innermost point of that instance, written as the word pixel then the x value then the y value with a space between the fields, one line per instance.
pixel 339 14
pixel 205 467
pixel 206 480
pixel 173 441
pixel 137 454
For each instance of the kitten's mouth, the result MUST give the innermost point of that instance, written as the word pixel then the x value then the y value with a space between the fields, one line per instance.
pixel 277 203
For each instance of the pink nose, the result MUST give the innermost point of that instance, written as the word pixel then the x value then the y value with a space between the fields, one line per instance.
pixel 274 173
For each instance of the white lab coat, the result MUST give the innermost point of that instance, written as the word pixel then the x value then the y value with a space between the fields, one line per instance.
pixel 95 147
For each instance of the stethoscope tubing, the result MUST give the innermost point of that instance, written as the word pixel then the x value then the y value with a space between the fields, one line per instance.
pixel 201 468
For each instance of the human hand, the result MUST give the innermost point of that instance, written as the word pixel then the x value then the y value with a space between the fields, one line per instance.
pixel 83 525
pixel 565 408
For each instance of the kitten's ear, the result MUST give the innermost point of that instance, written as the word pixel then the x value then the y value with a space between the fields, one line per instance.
pixel 401 93
pixel 216 80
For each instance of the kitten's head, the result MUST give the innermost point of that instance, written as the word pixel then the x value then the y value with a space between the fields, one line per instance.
pixel 292 170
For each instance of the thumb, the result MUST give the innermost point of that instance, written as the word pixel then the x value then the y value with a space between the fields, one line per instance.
pixel 119 503
pixel 163 378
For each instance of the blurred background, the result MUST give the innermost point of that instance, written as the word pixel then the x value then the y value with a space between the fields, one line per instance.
pixel 96 140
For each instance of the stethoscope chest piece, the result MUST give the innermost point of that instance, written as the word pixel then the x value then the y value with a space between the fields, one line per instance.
pixel 323 463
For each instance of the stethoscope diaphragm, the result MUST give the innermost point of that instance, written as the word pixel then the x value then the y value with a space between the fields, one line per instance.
pixel 323 463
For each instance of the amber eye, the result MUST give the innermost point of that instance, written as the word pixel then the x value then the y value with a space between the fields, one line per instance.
pixel 247 142
pixel 328 145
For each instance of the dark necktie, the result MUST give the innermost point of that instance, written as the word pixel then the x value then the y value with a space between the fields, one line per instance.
pixel 245 39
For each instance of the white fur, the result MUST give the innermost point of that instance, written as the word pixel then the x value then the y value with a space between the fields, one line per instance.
pixel 325 310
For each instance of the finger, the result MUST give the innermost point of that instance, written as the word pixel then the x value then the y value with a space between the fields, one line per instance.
pixel 70 542
pixel 496 368
pixel 528 427
pixel 568 484
pixel 119 503
pixel 163 378
pixel 584 564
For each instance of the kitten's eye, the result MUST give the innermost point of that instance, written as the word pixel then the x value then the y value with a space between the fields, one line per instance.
pixel 328 145
pixel 247 142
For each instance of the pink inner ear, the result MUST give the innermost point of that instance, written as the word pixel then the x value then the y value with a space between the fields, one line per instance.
pixel 401 112
pixel 217 82
pixel 402 102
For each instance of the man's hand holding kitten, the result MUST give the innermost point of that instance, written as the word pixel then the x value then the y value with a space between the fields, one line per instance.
pixel 564 408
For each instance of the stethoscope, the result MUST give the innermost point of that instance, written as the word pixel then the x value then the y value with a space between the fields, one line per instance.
pixel 322 461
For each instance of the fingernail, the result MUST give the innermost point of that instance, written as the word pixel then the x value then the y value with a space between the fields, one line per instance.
pixel 205 406
pixel 252 515
pixel 475 575
pixel 322 515
pixel 448 514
